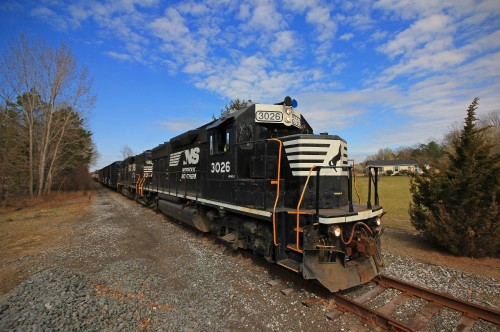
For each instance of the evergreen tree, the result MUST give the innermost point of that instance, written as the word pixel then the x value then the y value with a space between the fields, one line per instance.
pixel 456 206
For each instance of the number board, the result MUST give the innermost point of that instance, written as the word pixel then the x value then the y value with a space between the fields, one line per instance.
pixel 268 116
pixel 277 114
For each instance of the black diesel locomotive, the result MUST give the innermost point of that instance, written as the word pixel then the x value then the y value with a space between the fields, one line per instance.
pixel 259 179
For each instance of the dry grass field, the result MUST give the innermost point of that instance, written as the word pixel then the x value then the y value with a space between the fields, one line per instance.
pixel 394 194
pixel 33 227
pixel 401 238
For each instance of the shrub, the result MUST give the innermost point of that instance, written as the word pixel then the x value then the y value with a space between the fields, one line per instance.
pixel 455 203
pixel 389 172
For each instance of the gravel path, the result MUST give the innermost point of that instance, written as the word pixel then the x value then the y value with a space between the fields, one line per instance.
pixel 127 268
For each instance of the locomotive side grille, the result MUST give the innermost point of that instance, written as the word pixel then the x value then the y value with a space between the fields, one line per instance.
pixel 303 153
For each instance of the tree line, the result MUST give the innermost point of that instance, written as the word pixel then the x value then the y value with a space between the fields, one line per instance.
pixel 435 150
pixel 44 143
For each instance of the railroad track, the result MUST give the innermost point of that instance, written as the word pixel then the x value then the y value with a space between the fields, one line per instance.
pixel 381 317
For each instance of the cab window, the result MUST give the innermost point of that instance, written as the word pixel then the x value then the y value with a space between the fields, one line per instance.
pixel 220 141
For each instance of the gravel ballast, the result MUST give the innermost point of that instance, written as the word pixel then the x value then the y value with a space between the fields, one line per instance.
pixel 127 268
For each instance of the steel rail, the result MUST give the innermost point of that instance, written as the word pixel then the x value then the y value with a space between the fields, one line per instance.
pixel 369 315
pixel 469 309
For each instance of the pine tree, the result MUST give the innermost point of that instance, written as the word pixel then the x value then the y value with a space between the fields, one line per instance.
pixel 455 204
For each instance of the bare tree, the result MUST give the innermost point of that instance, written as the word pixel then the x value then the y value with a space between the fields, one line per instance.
pixel 126 151
pixel 383 154
pixel 491 122
pixel 490 125
pixel 46 86
pixel 490 119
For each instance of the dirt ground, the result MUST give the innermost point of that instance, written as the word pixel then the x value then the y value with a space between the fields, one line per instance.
pixel 407 243
pixel 33 229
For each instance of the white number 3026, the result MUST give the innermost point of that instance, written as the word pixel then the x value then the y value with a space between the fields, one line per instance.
pixel 221 167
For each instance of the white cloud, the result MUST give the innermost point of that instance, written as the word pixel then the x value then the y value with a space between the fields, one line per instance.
pixel 325 26
pixel 424 64
pixel 253 77
pixel 11 6
pixel 52 18
pixel 430 29
pixel 78 12
pixel 119 56
pixel 439 42
pixel 409 9
pixel 346 36
pixel 485 43
pixel 170 27
pixel 378 35
pixel 284 42
pixel 244 11
pixel 198 67
pixel 340 110
pixel 299 5
pixel 265 16
pixel 360 21
pixel 193 8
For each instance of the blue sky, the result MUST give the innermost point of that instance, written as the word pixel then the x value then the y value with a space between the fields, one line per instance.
pixel 385 73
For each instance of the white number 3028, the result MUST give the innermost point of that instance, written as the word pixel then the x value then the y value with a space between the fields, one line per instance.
pixel 221 167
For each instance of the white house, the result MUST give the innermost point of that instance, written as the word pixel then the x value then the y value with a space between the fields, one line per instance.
pixel 395 166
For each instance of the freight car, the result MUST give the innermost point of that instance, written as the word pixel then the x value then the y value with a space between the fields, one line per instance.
pixel 108 175
pixel 259 179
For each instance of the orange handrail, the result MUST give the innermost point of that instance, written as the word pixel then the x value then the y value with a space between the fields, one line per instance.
pixel 297 227
pixel 141 185
pixel 137 183
pixel 277 188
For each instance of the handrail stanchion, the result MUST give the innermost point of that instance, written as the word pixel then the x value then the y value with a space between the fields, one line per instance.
pixel 349 190
pixel 277 182
pixel 318 169
pixel 369 203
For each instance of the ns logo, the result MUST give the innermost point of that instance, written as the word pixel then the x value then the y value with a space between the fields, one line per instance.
pixel 191 157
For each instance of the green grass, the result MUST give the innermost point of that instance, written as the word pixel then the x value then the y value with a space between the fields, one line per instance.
pixel 394 195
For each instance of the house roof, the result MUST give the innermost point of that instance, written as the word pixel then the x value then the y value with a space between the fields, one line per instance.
pixel 406 162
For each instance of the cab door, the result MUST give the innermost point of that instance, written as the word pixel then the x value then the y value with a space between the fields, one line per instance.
pixel 221 170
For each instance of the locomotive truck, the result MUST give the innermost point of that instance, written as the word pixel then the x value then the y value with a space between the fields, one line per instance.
pixel 258 178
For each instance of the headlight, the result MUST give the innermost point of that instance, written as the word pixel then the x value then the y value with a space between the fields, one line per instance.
pixel 288 119
pixel 288 110
pixel 378 221
pixel 337 231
